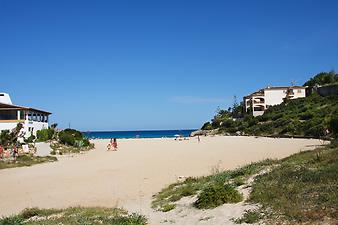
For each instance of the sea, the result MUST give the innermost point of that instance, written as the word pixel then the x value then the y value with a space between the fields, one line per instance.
pixel 137 134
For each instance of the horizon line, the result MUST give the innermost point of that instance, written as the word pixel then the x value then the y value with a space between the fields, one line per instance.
pixel 136 130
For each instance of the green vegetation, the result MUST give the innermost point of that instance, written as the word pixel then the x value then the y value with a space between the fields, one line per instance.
pixel 45 134
pixel 323 79
pixel 77 215
pixel 304 117
pixel 73 138
pixel 250 216
pixel 303 188
pixel 8 138
pixel 220 185
pixel 26 160
pixel 70 141
pixel 216 194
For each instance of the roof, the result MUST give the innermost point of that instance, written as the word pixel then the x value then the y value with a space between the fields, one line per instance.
pixel 3 105
pixel 261 91
pixel 283 87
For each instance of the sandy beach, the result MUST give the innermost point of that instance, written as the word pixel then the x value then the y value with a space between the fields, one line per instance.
pixel 130 176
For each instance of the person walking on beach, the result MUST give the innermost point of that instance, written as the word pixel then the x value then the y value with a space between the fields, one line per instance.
pixel 198 138
pixel 114 144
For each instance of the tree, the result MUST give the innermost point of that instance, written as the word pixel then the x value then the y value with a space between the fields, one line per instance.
pixel 322 79
pixel 10 137
pixel 334 124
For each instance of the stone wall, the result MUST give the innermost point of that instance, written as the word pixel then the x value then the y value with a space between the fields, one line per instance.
pixel 328 90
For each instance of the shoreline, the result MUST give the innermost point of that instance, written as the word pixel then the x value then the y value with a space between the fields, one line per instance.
pixel 219 135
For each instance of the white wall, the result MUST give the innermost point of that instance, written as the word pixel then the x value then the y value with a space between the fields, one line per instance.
pixel 26 125
pixel 5 98
pixel 35 125
pixel 7 126
pixel 257 113
pixel 299 93
pixel 274 96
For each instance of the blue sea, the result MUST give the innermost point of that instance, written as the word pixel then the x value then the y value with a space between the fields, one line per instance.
pixel 136 134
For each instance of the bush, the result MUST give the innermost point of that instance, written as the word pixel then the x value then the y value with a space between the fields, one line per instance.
pixel 217 194
pixel 12 220
pixel 30 139
pixel 45 134
pixel 316 131
pixel 250 216
pixel 66 138
pixel 73 138
pixel 334 124
pixel 207 126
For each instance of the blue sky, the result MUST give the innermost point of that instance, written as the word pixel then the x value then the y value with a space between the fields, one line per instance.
pixel 125 65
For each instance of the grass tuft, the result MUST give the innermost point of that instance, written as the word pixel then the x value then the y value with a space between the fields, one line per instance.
pixel 217 194
pixel 74 216
pixel 250 216
pixel 26 160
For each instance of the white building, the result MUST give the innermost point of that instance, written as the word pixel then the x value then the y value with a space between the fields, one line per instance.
pixel 257 102
pixel 31 119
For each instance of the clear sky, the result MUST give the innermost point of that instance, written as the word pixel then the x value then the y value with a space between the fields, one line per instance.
pixel 126 65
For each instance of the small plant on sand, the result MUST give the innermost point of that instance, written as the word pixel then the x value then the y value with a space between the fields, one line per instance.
pixel 26 160
pixel 217 194
pixel 74 216
pixel 250 216
pixel 168 207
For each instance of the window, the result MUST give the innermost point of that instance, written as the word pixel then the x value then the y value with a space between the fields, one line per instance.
pixel 22 115
pixel 299 91
pixel 8 115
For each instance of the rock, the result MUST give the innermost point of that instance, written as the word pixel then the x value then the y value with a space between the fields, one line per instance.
pixel 204 132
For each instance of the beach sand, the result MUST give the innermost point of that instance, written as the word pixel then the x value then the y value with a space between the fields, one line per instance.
pixel 130 176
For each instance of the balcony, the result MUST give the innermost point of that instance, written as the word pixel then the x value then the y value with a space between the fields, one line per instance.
pixel 258 101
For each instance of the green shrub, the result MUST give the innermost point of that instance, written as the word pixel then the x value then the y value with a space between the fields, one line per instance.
pixel 334 143
pixel 66 138
pixel 334 124
pixel 168 207
pixel 316 131
pixel 217 194
pixel 30 139
pixel 73 138
pixel 12 220
pixel 45 134
pixel 250 216
pixel 5 137
pixel 207 126
pixel 76 216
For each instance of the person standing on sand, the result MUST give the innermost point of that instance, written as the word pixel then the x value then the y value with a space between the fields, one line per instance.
pixel 198 138
pixel 115 144
pixel 15 152
pixel 1 152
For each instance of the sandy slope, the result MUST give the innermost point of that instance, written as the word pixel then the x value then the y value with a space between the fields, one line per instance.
pixel 129 177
